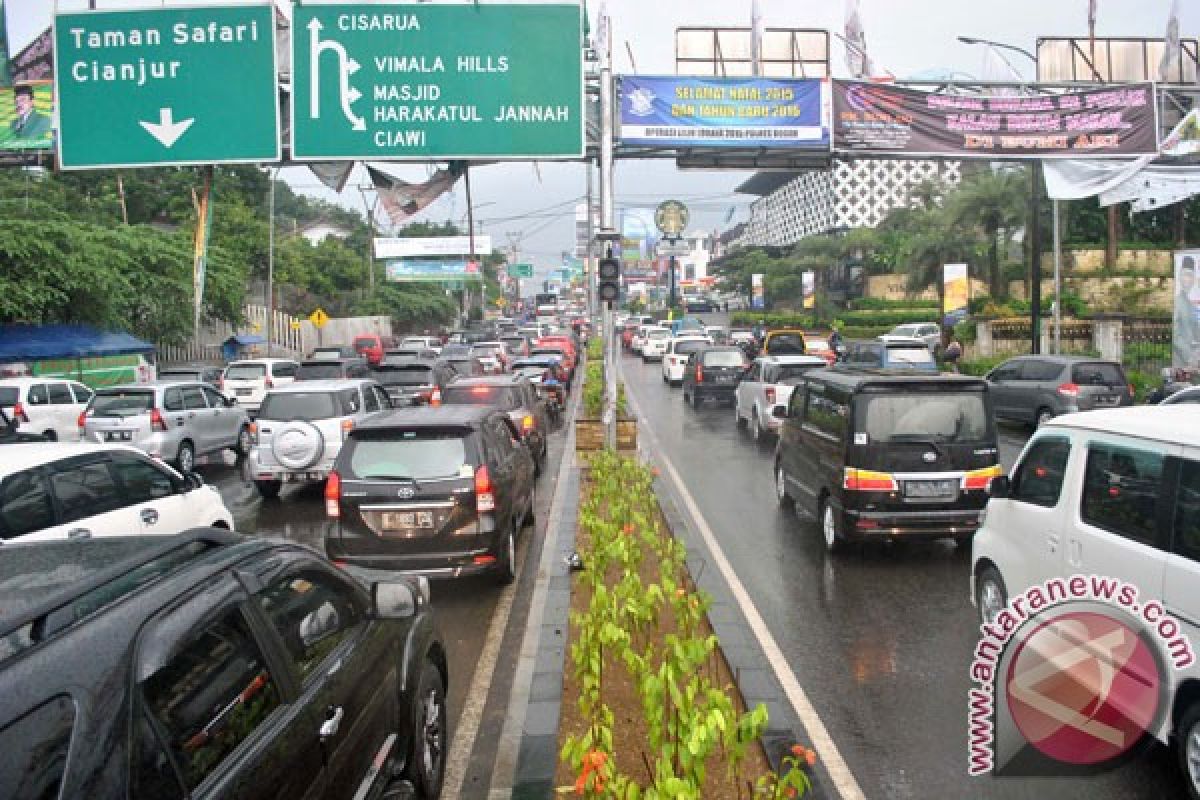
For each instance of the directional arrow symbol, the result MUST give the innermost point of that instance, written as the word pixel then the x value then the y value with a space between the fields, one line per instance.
pixel 167 130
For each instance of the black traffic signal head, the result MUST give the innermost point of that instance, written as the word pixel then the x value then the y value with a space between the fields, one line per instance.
pixel 608 275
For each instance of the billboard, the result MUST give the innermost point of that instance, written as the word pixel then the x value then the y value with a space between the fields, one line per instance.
pixel 27 116
pixel 422 270
pixel 725 112
pixel 639 238
pixel 955 293
pixel 419 246
pixel 877 119
pixel 758 297
pixel 1185 338
pixel 808 288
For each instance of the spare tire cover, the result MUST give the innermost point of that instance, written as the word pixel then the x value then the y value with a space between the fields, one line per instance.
pixel 298 444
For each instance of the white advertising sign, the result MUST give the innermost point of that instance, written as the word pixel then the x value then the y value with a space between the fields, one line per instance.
pixel 393 247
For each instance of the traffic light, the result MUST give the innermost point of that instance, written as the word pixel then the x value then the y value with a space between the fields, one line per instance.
pixel 608 277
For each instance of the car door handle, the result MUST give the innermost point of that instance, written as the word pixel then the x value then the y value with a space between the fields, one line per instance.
pixel 331 724
pixel 78 533
pixel 1052 543
pixel 149 516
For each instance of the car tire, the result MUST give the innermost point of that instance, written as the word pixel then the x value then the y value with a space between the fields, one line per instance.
pixel 51 436
pixel 785 500
pixel 530 520
pixel 1043 416
pixel 506 561
pixel 695 401
pixel 427 761
pixel 185 459
pixel 738 422
pixel 756 431
pixel 242 447
pixel 831 532
pixel 991 596
pixel 268 489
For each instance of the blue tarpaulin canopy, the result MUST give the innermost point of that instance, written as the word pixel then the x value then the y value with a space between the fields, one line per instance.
pixel 246 339
pixel 38 342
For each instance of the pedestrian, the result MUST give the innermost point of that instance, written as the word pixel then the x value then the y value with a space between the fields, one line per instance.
pixel 953 352
pixel 835 341
pixel 1186 327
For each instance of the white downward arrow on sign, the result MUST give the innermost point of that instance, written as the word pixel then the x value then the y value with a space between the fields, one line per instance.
pixel 167 130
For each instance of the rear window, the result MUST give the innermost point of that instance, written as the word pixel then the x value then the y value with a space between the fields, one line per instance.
pixel 786 343
pixel 909 355
pixel 8 395
pixel 287 406
pixel 121 403
pixel 658 333
pixel 785 372
pixel 407 376
pixel 415 455
pixel 724 358
pixel 453 350
pixel 246 372
pixel 924 417
pixel 505 397
pixel 690 347
pixel 322 355
pixel 176 374
pixel 318 372
pixel 1097 374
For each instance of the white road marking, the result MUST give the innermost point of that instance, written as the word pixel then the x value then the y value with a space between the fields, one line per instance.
pixel 843 779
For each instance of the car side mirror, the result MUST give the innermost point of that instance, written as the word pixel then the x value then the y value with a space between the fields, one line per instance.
pixel 230 402
pixel 394 600
pixel 1001 487
pixel 192 481
pixel 779 412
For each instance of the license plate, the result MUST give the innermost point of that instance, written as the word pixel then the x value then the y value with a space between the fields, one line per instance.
pixel 928 489
pixel 724 379
pixel 301 477
pixel 401 520
pixel 244 392
pixel 118 436
pixel 1108 400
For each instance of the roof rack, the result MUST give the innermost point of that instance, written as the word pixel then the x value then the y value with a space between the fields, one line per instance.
pixel 214 537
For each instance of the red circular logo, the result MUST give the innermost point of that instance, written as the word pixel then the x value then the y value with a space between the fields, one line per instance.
pixel 1083 688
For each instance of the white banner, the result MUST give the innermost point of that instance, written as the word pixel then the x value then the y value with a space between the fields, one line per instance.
pixel 395 247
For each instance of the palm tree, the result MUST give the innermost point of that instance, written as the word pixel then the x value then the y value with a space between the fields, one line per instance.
pixel 992 201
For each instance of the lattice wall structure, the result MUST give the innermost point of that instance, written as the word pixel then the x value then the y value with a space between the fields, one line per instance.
pixel 853 193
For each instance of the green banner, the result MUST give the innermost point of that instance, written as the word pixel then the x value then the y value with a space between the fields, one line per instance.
pixel 26 117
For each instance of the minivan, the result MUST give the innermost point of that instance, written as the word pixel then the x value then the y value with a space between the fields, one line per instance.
pixel 247 382
pixel 1036 389
pixel 887 455
pixel 1113 494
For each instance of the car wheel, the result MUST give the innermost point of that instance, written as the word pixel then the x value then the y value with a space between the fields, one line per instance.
pixel 185 459
pixel 242 448
pixel 1044 415
pixel 506 564
pixel 1187 739
pixel 756 431
pixel 51 436
pixel 695 401
pixel 785 500
pixel 830 529
pixel 268 489
pixel 427 762
pixel 990 595
pixel 737 414
pixel 530 520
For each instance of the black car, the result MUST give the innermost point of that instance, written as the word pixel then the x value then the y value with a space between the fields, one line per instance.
pixel 438 491
pixel 321 369
pixel 193 373
pixel 887 454
pixel 415 383
pixel 699 305
pixel 208 664
pixel 464 364
pixel 713 372
pixel 514 394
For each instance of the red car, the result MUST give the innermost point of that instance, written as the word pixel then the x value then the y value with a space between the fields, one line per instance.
pixel 564 343
pixel 372 346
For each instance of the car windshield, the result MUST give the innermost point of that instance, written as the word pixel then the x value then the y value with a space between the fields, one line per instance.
pixel 417 375
pixel 1097 373
pixel 529 363
pixel 786 372
pixel 505 397
pixel 9 395
pixel 318 372
pixel 924 417
pixel 414 455
pixel 724 358
pixel 909 355
pixel 903 330
pixel 786 343
pixel 287 406
pixel 456 351
pixel 816 345
pixel 321 355
pixel 658 333
pixel 121 403
pixel 415 343
pixel 690 346
pixel 246 372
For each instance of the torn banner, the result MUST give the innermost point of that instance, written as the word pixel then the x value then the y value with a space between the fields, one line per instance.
pixel 401 200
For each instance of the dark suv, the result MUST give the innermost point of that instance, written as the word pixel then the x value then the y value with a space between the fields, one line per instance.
pixel 438 491
pixel 211 665
pixel 514 394
pixel 417 382
pixel 329 369
pixel 887 454
pixel 713 372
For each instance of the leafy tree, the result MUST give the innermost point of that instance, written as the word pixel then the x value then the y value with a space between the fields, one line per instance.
pixel 994 202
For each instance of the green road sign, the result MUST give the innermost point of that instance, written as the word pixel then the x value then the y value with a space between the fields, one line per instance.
pixel 520 270
pixel 390 81
pixel 166 86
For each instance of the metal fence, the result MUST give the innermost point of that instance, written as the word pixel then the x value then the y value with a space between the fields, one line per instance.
pixel 1146 345
pixel 291 337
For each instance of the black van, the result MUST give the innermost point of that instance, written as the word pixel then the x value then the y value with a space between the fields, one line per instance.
pixel 883 454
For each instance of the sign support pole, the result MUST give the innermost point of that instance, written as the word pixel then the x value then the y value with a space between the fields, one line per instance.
pixel 1057 279
pixel 1035 250
pixel 607 224
pixel 271 175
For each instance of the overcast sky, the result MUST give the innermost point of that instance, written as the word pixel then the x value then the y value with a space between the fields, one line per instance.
pixel 903 36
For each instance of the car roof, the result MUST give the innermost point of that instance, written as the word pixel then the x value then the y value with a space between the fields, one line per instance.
pixel 32 379
pixel 263 361
pixel 853 379
pixel 903 341
pixel 325 385
pixel 1174 424
pixel 320 362
pixel 1064 359
pixel 467 416
pixel 791 359
pixel 18 458
pixel 149 385
pixel 490 380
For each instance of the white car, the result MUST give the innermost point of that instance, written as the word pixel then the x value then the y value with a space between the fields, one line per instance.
pixel 49 406
pixel 769 383
pixel 928 332
pixel 247 382
pixel 639 338
pixel 675 358
pixel 656 343
pixel 59 490
pixel 1112 494
pixel 422 343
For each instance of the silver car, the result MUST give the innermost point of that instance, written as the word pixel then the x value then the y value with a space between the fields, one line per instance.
pixel 1035 389
pixel 768 383
pixel 172 420
pixel 301 427
pixel 928 332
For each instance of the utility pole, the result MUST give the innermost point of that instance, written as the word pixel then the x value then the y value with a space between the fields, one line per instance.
pixel 607 225
pixel 1035 250
pixel 271 174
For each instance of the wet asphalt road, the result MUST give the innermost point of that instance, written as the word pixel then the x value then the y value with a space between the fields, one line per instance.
pixel 880 638
pixel 464 607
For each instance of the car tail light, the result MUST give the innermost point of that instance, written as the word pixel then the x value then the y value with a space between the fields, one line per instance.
pixel 527 424
pixel 82 421
pixel 435 397
pixel 252 429
pixel 770 391
pixel 270 384
pixel 699 372
pixel 19 413
pixel 484 499
pixel 333 496
pixel 865 480
pixel 347 426
pixel 1068 390
pixel 981 479
pixel 157 423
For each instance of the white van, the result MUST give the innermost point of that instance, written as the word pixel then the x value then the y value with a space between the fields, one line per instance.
pixel 47 406
pixel 247 382
pixel 1116 494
